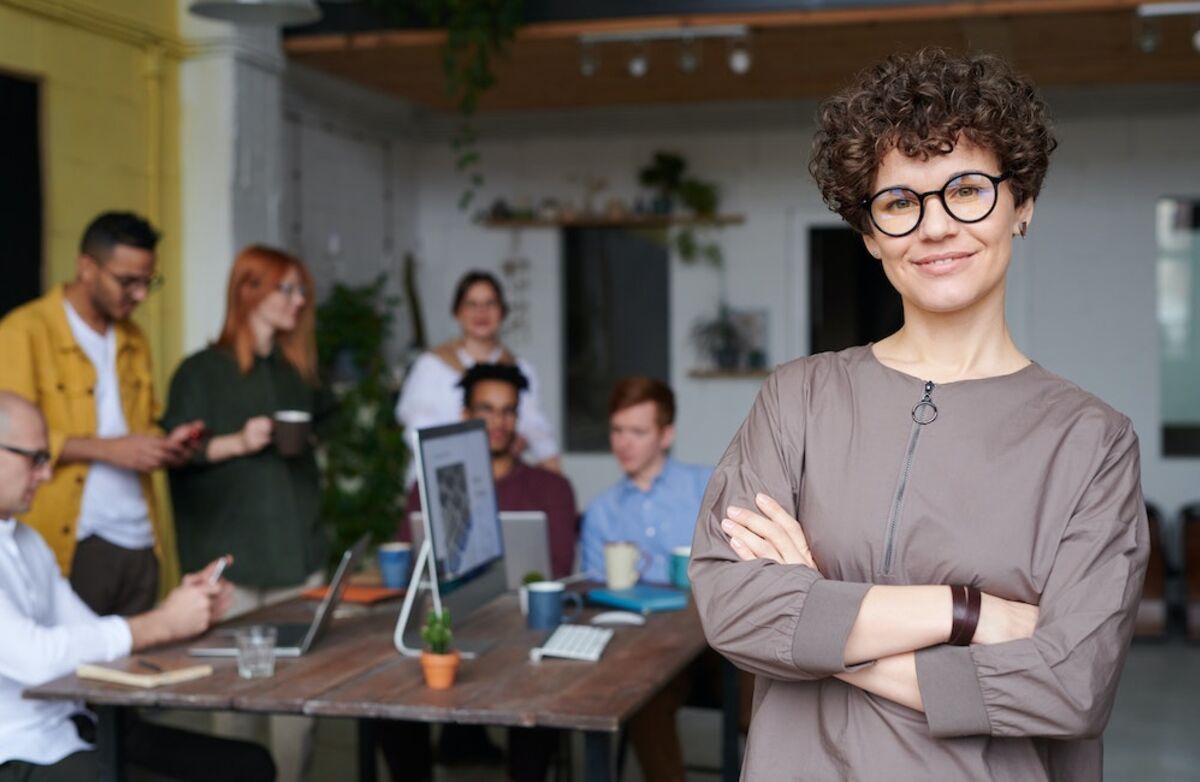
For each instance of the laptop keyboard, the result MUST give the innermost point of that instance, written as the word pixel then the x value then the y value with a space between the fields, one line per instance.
pixel 574 642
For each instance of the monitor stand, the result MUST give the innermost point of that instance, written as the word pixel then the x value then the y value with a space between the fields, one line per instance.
pixel 461 602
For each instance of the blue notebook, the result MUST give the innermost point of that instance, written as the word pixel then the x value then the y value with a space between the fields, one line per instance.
pixel 641 598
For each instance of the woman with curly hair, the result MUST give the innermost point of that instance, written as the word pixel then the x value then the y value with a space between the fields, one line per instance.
pixel 928 549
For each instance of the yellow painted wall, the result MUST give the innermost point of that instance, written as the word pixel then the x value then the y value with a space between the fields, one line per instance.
pixel 108 71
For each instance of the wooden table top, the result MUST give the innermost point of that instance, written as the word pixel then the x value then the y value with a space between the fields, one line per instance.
pixel 354 671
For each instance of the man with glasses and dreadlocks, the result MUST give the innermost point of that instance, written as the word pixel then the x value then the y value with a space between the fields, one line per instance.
pixel 77 356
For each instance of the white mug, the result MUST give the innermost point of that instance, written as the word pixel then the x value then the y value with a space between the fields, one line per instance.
pixel 622 564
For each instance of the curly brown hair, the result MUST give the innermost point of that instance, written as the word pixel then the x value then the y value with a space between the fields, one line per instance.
pixel 921 104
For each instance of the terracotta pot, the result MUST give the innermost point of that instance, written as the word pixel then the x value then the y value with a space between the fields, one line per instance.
pixel 440 669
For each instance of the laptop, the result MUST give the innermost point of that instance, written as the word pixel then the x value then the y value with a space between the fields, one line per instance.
pixel 295 639
pixel 526 543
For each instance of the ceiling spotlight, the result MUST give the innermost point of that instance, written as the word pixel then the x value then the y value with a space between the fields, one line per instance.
pixel 739 56
pixel 689 55
pixel 281 13
pixel 638 64
pixel 589 60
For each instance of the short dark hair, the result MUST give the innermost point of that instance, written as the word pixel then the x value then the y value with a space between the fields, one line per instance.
pixel 921 104
pixel 637 389
pixel 504 373
pixel 469 279
pixel 113 228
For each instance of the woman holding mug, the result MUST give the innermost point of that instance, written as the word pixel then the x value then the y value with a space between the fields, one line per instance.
pixel 243 493
pixel 928 549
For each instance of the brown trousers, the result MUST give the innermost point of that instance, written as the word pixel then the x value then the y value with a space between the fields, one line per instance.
pixel 113 580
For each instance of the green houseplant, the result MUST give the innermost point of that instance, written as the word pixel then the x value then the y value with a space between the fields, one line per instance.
pixel 666 175
pixel 477 31
pixel 439 660
pixel 363 454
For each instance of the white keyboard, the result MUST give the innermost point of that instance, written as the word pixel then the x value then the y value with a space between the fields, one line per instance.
pixel 574 642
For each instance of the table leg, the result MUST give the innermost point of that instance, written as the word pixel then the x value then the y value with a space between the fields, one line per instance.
pixel 731 691
pixel 597 756
pixel 109 734
pixel 366 750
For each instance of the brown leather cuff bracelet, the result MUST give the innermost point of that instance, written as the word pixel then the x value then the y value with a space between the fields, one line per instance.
pixel 966 601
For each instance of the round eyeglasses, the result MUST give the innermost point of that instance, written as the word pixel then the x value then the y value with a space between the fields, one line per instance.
pixel 968 198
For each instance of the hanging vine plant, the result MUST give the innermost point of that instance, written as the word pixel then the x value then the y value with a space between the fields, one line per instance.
pixel 477 31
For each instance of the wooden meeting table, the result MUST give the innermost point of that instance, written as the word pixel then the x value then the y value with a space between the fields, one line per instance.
pixel 355 672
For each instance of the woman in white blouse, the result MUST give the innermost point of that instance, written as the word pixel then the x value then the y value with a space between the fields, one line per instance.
pixel 430 396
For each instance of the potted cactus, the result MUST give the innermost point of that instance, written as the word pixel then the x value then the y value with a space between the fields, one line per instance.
pixel 440 660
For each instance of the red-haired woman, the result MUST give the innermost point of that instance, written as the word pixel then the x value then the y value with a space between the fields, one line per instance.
pixel 240 494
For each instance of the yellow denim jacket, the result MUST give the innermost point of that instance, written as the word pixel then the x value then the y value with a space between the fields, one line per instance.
pixel 40 360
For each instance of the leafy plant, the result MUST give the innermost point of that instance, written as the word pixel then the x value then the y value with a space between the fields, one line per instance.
pixel 666 175
pixel 363 453
pixel 720 338
pixel 436 633
pixel 532 577
pixel 476 32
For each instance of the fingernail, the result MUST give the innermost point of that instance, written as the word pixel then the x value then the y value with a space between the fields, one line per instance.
pixel 760 497
pixel 727 525
pixel 732 511
pixel 735 542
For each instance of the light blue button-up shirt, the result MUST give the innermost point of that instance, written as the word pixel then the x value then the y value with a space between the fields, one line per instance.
pixel 657 520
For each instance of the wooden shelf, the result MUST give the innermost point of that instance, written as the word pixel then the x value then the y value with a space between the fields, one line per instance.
pixel 728 374
pixel 629 221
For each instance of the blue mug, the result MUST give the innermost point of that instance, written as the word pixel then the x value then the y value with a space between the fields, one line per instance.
pixel 394 561
pixel 680 556
pixel 546 600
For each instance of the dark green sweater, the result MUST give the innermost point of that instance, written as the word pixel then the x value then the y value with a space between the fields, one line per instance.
pixel 262 508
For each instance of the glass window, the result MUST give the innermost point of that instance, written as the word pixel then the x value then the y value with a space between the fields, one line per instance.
pixel 1177 224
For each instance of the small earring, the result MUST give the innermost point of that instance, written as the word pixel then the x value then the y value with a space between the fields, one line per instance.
pixel 1023 228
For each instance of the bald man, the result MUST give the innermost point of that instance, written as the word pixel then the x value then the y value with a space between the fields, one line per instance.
pixel 42 741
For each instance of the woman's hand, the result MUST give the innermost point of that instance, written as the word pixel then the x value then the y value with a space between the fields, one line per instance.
pixel 771 533
pixel 1003 620
pixel 256 434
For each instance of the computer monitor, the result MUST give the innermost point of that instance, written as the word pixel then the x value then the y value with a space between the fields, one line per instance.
pixel 462 518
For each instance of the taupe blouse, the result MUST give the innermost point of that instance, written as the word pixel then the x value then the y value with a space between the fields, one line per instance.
pixel 1023 485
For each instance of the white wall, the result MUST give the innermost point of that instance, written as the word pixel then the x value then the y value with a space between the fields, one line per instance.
pixel 350 203
pixel 1081 289
pixel 1081 298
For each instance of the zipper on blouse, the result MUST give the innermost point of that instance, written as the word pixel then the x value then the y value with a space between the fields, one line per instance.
pixel 924 413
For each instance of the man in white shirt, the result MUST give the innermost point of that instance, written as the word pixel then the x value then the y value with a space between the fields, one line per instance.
pixel 49 631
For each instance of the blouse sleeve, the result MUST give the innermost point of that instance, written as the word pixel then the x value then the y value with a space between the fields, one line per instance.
pixel 429 397
pixel 533 424
pixel 1060 683
pixel 781 621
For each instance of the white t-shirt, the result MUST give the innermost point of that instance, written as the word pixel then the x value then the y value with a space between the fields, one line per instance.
pixel 48 632
pixel 113 506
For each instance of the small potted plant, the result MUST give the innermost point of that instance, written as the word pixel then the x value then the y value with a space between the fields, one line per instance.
pixel 720 339
pixel 439 661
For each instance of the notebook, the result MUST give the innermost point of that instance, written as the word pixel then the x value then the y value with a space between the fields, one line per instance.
pixel 137 672
pixel 642 598
pixel 361 594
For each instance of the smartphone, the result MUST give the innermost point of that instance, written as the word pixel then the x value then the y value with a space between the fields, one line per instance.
pixel 198 433
pixel 216 574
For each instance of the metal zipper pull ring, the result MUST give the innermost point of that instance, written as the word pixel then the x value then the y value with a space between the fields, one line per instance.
pixel 925 411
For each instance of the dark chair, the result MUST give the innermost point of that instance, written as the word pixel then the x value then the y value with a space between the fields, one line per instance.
pixel 1190 518
pixel 1151 619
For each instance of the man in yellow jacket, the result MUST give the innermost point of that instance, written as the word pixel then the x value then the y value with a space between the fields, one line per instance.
pixel 75 354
